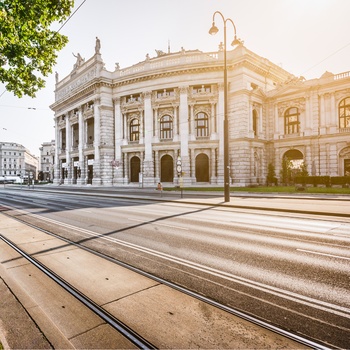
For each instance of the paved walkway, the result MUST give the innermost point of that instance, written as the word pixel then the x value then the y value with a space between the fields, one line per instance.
pixel 166 317
pixel 19 331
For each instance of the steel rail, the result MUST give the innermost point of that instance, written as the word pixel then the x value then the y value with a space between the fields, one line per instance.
pixel 295 337
pixel 122 328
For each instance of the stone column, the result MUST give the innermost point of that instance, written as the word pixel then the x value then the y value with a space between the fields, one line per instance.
pixel 307 130
pixel 213 179
pixel 212 120
pixel 97 136
pixel 277 132
pixel 156 160
pixel 68 180
pixel 322 115
pixel 126 168
pixel 184 135
pixel 260 121
pixel 142 127
pixel 333 122
pixel 118 135
pixel 81 179
pixel 175 123
pixel 125 126
pixel 148 164
pixel 193 166
pixel 57 170
pixel 250 121
pixel 156 124
pixel 192 130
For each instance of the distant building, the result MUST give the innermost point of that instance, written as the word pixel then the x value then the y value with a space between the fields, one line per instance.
pixel 47 160
pixel 16 160
pixel 135 124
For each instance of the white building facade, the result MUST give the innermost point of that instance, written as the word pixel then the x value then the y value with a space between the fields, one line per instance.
pixel 47 160
pixel 16 160
pixel 135 125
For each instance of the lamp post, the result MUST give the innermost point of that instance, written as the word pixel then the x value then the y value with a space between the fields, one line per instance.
pixel 213 30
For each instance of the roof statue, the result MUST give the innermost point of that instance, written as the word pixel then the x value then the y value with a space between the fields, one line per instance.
pixel 97 46
pixel 160 53
pixel 79 61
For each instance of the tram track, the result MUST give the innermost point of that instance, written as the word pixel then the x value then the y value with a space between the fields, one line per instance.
pixel 133 336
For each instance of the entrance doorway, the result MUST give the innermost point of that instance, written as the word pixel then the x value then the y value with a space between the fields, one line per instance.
pixel 202 168
pixel 135 168
pixel 167 169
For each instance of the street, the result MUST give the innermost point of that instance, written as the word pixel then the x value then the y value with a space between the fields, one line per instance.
pixel 286 269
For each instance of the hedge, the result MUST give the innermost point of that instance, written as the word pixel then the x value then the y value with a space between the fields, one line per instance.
pixel 323 180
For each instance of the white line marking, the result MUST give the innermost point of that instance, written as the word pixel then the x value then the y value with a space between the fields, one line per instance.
pixel 156 223
pixel 317 253
pixel 319 304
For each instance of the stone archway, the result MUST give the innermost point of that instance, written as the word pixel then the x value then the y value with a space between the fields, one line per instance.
pixel 202 168
pixel 166 169
pixel 295 157
pixel 135 167
pixel 344 161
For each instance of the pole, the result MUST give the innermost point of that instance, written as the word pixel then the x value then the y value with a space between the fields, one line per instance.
pixel 226 129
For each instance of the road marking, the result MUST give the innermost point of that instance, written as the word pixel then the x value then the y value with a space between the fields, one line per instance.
pixel 318 253
pixel 290 295
pixel 156 223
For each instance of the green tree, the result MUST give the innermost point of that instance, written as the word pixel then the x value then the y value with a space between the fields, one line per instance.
pixel 28 47
pixel 286 171
pixel 271 175
pixel 303 169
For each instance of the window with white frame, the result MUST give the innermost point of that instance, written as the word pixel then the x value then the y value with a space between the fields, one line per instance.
pixel 202 124
pixel 166 127
pixel 135 130
pixel 344 113
pixel 291 121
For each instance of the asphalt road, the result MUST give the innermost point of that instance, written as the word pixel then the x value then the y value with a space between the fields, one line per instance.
pixel 289 269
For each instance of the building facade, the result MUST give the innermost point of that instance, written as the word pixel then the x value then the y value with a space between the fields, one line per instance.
pixel 47 160
pixel 138 124
pixel 16 160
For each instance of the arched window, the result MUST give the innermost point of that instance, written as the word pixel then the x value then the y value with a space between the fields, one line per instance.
pixel 201 121
pixel 344 113
pixel 291 121
pixel 134 130
pixel 166 127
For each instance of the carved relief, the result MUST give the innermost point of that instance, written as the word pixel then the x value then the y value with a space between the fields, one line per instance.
pixel 73 119
pixel 131 116
pixel 91 74
pixel 299 103
pixel 165 111
pixel 345 152
pixel 339 95
pixel 202 108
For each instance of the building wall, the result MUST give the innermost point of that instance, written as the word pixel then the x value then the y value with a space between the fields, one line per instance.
pixel 47 160
pixel 96 111
pixel 16 160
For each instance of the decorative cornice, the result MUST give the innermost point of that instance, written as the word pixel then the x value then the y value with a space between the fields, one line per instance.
pixel 298 103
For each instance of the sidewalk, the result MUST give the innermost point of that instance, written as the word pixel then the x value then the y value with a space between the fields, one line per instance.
pixel 303 203
pixel 165 316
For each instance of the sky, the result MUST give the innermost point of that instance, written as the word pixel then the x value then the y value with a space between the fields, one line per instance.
pixel 305 37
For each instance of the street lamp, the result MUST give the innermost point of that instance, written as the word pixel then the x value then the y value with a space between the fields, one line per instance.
pixel 213 30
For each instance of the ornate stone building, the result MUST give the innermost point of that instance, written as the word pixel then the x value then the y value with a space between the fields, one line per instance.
pixel 17 161
pixel 135 125
pixel 47 160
